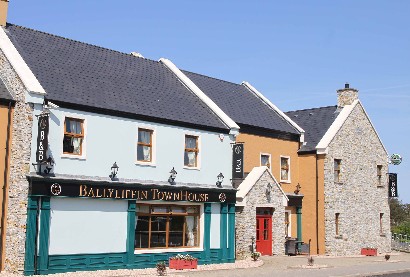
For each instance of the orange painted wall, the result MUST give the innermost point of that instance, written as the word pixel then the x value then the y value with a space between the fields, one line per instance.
pixel 3 140
pixel 255 145
pixel 307 169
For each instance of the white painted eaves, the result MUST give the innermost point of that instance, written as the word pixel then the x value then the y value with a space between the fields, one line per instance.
pixel 250 181
pixel 23 71
pixel 272 106
pixel 234 128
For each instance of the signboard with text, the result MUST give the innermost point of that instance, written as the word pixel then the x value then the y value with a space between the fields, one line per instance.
pixel 393 185
pixel 237 161
pixel 42 138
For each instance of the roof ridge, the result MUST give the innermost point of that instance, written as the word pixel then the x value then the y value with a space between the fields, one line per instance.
pixel 331 106
pixel 81 42
pixel 211 77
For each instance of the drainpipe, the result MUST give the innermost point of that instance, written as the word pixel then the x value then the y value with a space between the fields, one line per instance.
pixel 5 186
pixel 317 206
pixel 299 225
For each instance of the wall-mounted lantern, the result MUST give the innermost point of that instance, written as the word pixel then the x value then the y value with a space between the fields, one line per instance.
pixel 114 171
pixel 172 177
pixel 220 179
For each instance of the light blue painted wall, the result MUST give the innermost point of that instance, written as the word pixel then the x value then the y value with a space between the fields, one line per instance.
pixel 113 139
pixel 216 226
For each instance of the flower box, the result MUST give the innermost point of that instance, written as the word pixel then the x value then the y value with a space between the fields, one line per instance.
pixel 369 251
pixel 182 264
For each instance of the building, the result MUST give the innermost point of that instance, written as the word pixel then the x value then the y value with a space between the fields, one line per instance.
pixel 7 103
pixel 271 140
pixel 119 173
pixel 343 173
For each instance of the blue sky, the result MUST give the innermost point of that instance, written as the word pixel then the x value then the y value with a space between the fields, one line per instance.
pixel 297 53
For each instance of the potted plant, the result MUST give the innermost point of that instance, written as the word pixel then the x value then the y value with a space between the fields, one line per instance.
pixel 181 261
pixel 255 255
pixel 161 268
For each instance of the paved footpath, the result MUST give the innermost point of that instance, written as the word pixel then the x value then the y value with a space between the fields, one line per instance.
pixel 323 266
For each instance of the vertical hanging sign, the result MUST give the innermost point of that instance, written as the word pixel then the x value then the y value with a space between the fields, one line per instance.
pixel 42 138
pixel 393 185
pixel 237 161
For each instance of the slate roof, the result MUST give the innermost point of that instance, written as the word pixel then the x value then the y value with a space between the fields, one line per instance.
pixel 90 76
pixel 240 104
pixel 315 122
pixel 4 93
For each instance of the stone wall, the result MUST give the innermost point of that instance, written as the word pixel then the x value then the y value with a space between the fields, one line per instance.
pixel 19 166
pixel 357 198
pixel 246 217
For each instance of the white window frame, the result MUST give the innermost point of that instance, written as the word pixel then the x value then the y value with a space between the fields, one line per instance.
pixel 280 170
pixel 289 212
pixel 198 158
pixel 83 155
pixel 270 160
pixel 153 161
pixel 201 229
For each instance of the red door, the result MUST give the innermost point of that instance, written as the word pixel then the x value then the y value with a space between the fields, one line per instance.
pixel 264 234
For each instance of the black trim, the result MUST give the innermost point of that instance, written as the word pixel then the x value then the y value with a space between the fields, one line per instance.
pixel 260 131
pixel 7 101
pixel 118 113
pixel 307 152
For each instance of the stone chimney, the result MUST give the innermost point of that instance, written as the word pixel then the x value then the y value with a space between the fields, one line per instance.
pixel 346 96
pixel 4 4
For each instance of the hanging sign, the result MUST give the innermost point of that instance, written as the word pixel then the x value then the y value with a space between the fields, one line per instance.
pixel 237 161
pixel 42 138
pixel 396 159
pixel 393 185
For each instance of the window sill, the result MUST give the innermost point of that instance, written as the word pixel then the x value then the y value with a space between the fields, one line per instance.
pixel 285 182
pixel 339 237
pixel 338 183
pixel 191 168
pixel 167 250
pixel 380 186
pixel 151 164
pixel 74 157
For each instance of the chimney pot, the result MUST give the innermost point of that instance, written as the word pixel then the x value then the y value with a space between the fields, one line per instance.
pixel 347 85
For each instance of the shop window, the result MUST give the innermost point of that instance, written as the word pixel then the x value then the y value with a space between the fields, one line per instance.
pixel 287 224
pixel 284 169
pixel 337 169
pixel 73 136
pixel 265 160
pixel 337 217
pixel 166 226
pixel 379 175
pixel 191 151
pixel 144 145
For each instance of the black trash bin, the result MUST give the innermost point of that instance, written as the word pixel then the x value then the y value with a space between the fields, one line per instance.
pixel 290 247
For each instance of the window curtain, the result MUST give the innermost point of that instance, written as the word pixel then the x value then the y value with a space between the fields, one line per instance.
pixel 190 224
pixel 76 143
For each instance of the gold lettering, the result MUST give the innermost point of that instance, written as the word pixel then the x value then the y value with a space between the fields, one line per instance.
pixel 83 190
pixel 189 197
pixel 133 194
pixel 154 192
pixel 144 194
pixel 91 192
pixel 97 193
pixel 184 193
pixel 122 194
pixel 116 194
pixel 126 193
pixel 110 191
pixel 160 195
pixel 176 196
pixel 168 195
pixel 104 193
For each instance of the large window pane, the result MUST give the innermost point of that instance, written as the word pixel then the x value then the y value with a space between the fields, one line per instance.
pixel 176 231
pixel 191 231
pixel 142 232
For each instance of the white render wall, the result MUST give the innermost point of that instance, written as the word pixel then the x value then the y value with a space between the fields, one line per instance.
pixel 357 198
pixel 87 226
pixel 110 139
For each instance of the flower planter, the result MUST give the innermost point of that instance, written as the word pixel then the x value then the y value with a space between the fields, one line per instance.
pixel 369 251
pixel 182 264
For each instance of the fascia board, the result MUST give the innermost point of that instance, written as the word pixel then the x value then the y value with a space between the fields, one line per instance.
pixel 323 144
pixel 23 71
pixel 272 106
pixel 234 128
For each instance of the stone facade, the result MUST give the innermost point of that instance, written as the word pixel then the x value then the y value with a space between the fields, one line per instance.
pixel 19 166
pixel 246 217
pixel 362 204
pixel 346 96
